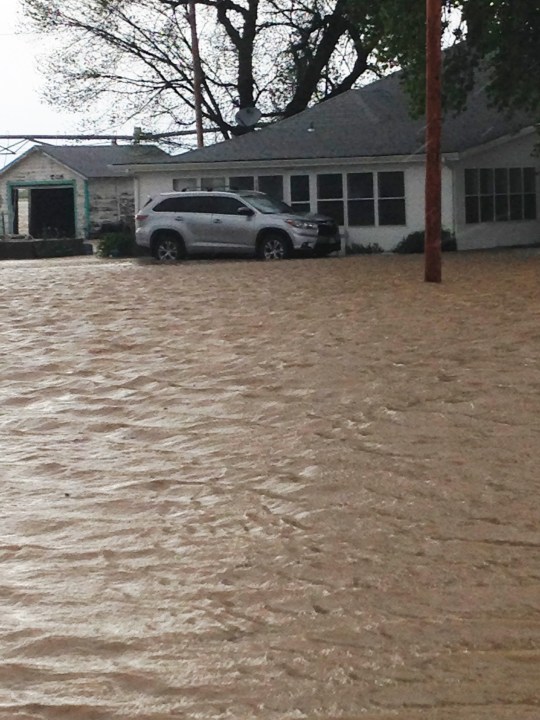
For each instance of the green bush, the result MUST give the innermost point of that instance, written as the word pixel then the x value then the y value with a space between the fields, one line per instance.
pixel 414 243
pixel 116 245
pixel 359 249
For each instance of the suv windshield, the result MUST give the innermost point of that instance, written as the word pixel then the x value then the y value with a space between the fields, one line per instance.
pixel 266 204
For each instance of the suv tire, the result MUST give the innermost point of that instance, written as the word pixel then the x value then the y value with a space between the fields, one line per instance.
pixel 273 246
pixel 168 247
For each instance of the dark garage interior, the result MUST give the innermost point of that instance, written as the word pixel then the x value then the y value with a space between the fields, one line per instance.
pixel 52 212
pixel 44 212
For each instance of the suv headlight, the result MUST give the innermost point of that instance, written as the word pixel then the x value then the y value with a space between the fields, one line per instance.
pixel 303 224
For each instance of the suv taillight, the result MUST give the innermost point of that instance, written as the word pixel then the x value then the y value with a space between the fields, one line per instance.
pixel 140 217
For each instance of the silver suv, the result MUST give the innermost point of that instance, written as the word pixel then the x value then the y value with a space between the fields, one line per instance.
pixel 175 225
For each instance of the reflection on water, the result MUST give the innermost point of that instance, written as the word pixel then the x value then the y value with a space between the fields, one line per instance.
pixel 274 491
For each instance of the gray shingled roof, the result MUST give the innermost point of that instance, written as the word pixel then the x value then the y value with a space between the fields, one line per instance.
pixel 369 122
pixel 97 160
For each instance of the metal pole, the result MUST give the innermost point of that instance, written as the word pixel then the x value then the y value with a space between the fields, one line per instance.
pixel 432 247
pixel 197 72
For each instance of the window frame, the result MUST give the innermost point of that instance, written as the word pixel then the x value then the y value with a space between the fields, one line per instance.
pixel 242 184
pixel 500 194
pixel 325 203
pixel 303 204
pixel 280 194
pixel 375 201
pixel 384 200
pixel 354 199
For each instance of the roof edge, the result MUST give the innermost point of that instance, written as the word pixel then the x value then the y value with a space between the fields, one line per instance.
pixel 501 140
pixel 276 162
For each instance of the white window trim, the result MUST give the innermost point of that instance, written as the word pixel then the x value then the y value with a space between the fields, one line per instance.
pixel 376 197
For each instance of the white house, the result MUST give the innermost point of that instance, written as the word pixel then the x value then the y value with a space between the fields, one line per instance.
pixel 360 158
pixel 69 191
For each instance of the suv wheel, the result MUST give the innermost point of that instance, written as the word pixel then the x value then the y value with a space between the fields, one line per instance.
pixel 168 248
pixel 273 247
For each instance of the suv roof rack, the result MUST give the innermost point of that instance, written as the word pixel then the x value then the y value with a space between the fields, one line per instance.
pixel 221 188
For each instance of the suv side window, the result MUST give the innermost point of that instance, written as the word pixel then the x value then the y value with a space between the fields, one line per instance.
pixel 185 204
pixel 223 205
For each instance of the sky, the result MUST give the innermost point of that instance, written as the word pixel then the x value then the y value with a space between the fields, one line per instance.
pixel 23 110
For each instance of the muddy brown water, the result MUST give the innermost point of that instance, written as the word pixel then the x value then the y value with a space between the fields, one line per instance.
pixel 242 490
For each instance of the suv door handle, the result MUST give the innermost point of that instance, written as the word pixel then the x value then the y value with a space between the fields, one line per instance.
pixel 179 217
pixel 218 221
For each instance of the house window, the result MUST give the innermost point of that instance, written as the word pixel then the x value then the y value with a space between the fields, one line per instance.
pixel 391 205
pixel 500 194
pixel 376 198
pixel 370 198
pixel 242 182
pixel 300 193
pixel 360 199
pixel 272 185
pixel 213 183
pixel 180 184
pixel 330 196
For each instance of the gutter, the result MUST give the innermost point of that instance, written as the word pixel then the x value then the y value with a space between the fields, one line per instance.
pixel 283 164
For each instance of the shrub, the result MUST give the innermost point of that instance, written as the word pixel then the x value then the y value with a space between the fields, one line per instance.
pixel 414 243
pixel 116 245
pixel 359 249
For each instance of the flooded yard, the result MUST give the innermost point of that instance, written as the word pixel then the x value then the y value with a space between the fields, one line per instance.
pixel 270 491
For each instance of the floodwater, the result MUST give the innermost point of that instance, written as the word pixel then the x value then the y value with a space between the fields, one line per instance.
pixel 245 491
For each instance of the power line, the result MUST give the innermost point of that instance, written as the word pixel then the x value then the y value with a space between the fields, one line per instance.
pixel 135 137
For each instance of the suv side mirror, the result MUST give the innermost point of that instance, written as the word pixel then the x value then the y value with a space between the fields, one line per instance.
pixel 243 210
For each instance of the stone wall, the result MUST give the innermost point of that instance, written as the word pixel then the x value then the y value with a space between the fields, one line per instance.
pixel 112 204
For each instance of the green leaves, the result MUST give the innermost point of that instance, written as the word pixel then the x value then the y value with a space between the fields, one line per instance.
pixel 502 45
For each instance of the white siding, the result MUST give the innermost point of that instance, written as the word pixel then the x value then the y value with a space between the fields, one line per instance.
pixel 38 168
pixel 514 153
pixel 111 201
pixel 97 201
pixel 387 237
pixel 149 184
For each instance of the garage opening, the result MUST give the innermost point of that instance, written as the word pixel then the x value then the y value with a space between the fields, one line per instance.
pixel 44 212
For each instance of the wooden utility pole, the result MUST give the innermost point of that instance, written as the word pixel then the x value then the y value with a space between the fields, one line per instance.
pixel 197 72
pixel 432 247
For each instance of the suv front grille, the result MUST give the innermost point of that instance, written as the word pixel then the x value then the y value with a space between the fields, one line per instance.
pixel 327 228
